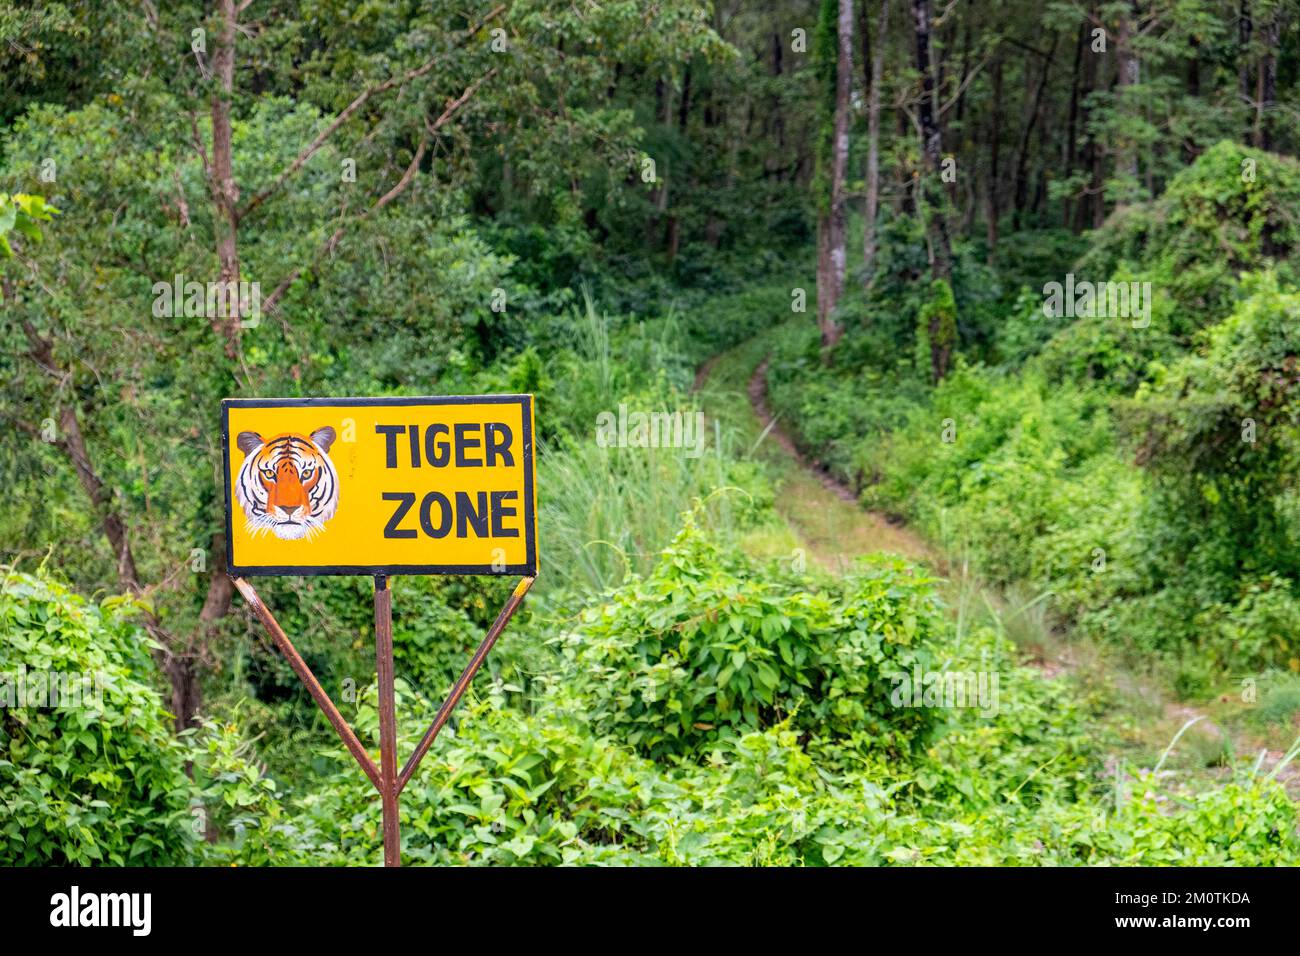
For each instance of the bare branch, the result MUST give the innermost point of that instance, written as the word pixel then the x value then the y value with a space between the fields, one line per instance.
pixel 332 242
pixel 402 183
pixel 458 102
pixel 970 76
pixel 301 159
pixel 328 247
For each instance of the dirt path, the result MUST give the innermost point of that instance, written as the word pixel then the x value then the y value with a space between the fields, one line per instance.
pixel 704 371
pixel 825 514
pixel 823 511
pixel 757 391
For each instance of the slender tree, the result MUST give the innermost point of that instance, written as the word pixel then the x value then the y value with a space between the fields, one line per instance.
pixel 1267 98
pixel 1129 72
pixel 840 163
pixel 835 77
pixel 940 320
pixel 931 148
pixel 992 185
pixel 877 60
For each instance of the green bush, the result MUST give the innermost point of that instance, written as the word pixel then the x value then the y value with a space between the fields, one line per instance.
pixel 820 771
pixel 242 809
pixel 1259 627
pixel 832 412
pixel 706 648
pixel 87 780
pixel 1230 212
pixel 1220 431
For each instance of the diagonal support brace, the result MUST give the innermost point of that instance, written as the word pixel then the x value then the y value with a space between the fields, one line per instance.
pixel 309 680
pixel 462 683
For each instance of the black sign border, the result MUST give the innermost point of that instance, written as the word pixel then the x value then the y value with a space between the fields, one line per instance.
pixel 527 569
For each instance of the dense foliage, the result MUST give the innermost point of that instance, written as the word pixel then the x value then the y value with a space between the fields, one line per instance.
pixel 89 769
pixel 619 203
pixel 1145 475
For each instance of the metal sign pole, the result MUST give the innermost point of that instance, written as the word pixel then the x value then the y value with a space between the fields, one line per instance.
pixel 385 777
pixel 387 720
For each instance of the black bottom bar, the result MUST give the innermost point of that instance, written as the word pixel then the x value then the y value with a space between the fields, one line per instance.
pixel 898 906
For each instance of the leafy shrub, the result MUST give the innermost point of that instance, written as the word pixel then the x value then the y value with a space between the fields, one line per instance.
pixel 1239 824
pixel 501 787
pixel 1112 352
pixel 704 649
pixel 1278 701
pixel 1213 222
pixel 1193 245
pixel 561 781
pixel 831 412
pixel 936 330
pixel 242 808
pixel 431 641
pixel 1034 257
pixel 1219 431
pixel 1243 823
pixel 84 782
pixel 1259 627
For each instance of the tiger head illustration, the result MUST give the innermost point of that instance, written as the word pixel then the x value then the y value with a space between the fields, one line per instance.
pixel 287 485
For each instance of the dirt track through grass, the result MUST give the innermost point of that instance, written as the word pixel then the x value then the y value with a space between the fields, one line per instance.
pixel 826 518
pixel 822 512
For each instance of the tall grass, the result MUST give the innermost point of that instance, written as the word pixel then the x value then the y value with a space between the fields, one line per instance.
pixel 606 512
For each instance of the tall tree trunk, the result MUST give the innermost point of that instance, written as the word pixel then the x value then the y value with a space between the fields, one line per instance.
pixel 1091 208
pixel 1071 148
pixel 225 191
pixel 905 175
pixel 1245 27
pixel 684 107
pixel 1190 147
pixel 1098 176
pixel 672 229
pixel 1268 81
pixel 1126 160
pixel 991 210
pixel 1193 66
pixel 869 241
pixel 839 168
pixel 1033 109
pixel 778 119
pixel 965 73
pixel 175 659
pixel 864 31
pixel 833 71
pixel 824 283
pixel 940 248
pixel 931 148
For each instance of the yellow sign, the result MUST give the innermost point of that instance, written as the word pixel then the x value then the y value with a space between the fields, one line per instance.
pixel 380 485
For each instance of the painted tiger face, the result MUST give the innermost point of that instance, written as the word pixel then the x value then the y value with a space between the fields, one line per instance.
pixel 287 485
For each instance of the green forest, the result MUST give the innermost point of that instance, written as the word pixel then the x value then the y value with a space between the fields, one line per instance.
pixel 976 542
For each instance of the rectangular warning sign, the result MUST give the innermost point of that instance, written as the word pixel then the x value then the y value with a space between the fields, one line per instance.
pixel 440 485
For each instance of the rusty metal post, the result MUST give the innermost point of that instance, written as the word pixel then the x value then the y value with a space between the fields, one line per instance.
pixel 387 720
pixel 309 681
pixel 385 777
